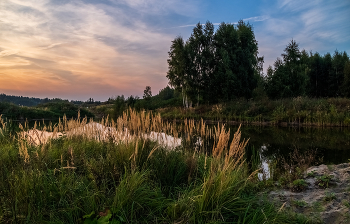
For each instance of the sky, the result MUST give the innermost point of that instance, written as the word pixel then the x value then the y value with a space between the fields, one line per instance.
pixel 81 49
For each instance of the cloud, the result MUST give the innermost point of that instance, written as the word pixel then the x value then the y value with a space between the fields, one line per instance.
pixel 257 18
pixel 76 45
pixel 7 53
pixel 51 46
pixel 316 25
pixel 320 19
pixel 250 19
pixel 100 48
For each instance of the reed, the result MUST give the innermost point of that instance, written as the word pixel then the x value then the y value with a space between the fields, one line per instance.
pixel 114 172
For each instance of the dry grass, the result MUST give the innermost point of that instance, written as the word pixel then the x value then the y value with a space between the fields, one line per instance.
pixel 132 126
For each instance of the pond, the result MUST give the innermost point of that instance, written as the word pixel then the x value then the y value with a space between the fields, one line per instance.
pixel 332 143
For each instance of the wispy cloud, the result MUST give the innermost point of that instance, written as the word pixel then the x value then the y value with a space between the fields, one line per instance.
pixel 7 53
pixel 76 47
pixel 250 19
pixel 51 46
pixel 316 25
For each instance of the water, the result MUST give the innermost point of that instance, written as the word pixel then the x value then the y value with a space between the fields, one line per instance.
pixel 332 143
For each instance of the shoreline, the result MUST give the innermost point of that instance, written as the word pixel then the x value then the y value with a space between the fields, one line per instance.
pixel 265 123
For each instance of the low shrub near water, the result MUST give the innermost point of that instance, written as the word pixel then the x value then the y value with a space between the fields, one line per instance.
pixel 82 179
pixel 291 169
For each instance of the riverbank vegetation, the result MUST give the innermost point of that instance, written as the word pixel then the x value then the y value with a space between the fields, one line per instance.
pixel 292 111
pixel 112 173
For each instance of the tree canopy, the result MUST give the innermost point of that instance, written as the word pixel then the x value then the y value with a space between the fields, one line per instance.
pixel 214 66
pixel 300 73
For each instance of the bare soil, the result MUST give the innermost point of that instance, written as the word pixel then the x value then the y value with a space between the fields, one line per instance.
pixel 329 205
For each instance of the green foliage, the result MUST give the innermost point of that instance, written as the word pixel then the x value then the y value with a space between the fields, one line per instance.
pixel 329 196
pixel 346 203
pixel 20 100
pixel 309 111
pixel 62 107
pixel 299 185
pixel 119 106
pixel 166 93
pixel 288 78
pixel 300 73
pixel 50 110
pixel 346 84
pixel 147 93
pixel 323 181
pixel 311 174
pixel 215 67
pixel 300 203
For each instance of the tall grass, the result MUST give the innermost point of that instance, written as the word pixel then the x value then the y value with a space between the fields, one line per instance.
pixel 112 172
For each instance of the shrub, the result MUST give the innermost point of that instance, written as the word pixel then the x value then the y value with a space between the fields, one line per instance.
pixel 299 185
pixel 323 181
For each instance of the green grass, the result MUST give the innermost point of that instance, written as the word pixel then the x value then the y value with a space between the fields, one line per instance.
pixel 77 180
pixel 329 196
pixel 300 203
pixel 52 110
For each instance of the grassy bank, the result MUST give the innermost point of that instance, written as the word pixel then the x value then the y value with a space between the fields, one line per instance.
pixel 94 175
pixel 304 111
pixel 50 110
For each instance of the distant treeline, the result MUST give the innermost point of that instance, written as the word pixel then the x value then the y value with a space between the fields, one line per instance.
pixel 20 100
pixel 302 73
pixel 51 110
pixel 32 101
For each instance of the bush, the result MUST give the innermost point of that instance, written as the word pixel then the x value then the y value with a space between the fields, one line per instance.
pixel 299 185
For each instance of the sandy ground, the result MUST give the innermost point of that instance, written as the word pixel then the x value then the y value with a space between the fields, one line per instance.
pixel 330 205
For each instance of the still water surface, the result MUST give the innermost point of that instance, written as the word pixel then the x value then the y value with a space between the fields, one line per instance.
pixel 332 143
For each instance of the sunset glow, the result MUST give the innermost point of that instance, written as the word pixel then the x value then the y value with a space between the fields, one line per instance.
pixel 77 49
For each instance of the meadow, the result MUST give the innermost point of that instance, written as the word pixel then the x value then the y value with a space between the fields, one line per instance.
pixel 115 172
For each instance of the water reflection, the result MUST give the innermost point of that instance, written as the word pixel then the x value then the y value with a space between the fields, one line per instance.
pixel 265 171
pixel 272 143
pixel 333 144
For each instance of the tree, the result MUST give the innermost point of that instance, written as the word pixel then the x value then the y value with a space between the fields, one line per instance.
pixel 248 57
pixel 289 77
pixel 336 77
pixel 346 84
pixel 178 68
pixel 225 82
pixel 131 100
pixel 166 93
pixel 212 67
pixel 119 106
pixel 147 93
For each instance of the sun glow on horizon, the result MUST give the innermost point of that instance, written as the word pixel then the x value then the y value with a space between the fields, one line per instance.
pixel 82 49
